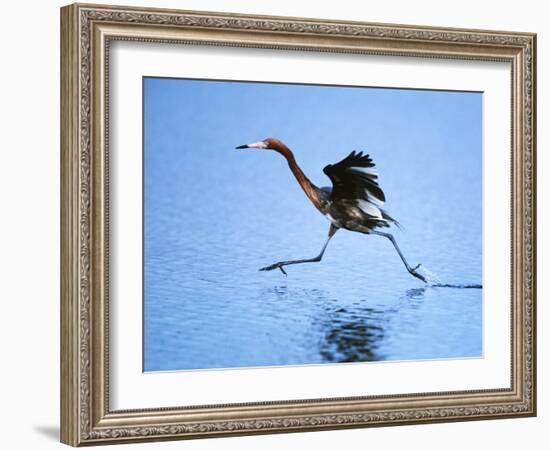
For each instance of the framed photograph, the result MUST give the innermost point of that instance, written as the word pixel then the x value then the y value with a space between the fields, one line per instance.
pixel 276 224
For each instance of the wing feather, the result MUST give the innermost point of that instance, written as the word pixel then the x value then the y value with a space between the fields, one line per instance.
pixel 355 177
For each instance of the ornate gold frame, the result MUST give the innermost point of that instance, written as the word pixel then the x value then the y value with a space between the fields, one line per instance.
pixel 86 31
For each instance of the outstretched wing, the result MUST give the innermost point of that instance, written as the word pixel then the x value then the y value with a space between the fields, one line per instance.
pixel 355 177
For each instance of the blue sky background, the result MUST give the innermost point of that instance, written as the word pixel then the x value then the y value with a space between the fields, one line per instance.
pixel 213 215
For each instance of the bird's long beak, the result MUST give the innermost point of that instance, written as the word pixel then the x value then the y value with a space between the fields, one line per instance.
pixel 260 144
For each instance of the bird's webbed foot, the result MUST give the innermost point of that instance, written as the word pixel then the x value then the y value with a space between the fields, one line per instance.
pixel 414 273
pixel 277 265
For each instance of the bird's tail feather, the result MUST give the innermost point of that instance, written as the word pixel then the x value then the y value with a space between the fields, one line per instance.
pixel 389 218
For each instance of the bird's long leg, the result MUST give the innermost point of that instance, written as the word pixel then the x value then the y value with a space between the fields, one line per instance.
pixel 411 270
pixel 281 264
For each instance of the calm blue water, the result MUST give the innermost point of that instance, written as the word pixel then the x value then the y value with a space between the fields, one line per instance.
pixel 214 215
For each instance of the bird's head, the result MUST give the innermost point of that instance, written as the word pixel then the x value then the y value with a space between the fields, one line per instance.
pixel 266 144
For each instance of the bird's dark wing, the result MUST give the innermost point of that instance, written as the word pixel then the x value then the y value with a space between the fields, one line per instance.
pixel 355 177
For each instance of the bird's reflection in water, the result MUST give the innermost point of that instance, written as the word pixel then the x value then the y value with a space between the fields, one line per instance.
pixel 343 333
pixel 416 293
pixel 352 335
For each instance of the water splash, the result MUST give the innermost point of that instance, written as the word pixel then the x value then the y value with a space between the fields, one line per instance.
pixel 458 286
pixel 433 280
pixel 430 277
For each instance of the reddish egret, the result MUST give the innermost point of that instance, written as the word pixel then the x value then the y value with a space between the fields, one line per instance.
pixel 354 202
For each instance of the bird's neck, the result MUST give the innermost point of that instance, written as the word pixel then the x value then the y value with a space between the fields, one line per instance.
pixel 308 187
